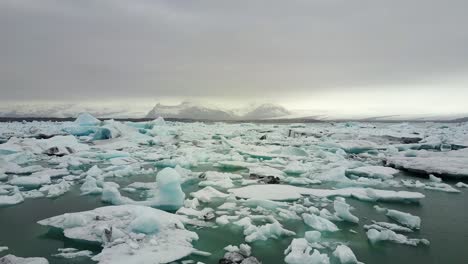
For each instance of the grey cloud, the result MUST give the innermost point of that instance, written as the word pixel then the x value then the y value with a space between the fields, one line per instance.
pixel 116 49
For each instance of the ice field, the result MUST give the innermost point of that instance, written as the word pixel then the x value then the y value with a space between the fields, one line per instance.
pixel 93 191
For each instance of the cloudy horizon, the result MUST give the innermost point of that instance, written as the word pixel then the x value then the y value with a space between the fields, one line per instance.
pixel 394 57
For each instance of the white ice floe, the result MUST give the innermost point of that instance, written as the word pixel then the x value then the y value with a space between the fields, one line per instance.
pixel 11 259
pixel 3 248
pixel 342 211
pixel 128 233
pixel 10 195
pixel 218 179
pixel 406 219
pixel 208 194
pixel 443 164
pixel 69 253
pixel 319 223
pixel 86 119
pixel 262 232
pixel 391 226
pixel 299 252
pixel 56 190
pixel 278 192
pixel 90 186
pixel 345 255
pixel 378 172
pixel 461 185
pixel 375 236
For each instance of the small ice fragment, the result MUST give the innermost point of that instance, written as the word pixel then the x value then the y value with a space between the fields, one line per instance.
pixel 319 223
pixel 345 255
pixel 342 211
pixel 406 219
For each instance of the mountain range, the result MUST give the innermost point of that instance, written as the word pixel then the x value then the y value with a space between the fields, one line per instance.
pixel 190 110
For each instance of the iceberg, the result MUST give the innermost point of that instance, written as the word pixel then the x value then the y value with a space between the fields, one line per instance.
pixel 375 236
pixel 342 211
pixel 263 232
pixel 86 119
pixel 277 192
pixel 11 259
pixel 299 252
pixel 345 255
pixel 319 223
pixel 128 233
pixel 406 219
pixel 10 195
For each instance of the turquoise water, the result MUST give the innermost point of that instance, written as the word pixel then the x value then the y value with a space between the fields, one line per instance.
pixel 444 222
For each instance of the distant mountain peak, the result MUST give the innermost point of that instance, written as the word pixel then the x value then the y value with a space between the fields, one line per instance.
pixel 190 110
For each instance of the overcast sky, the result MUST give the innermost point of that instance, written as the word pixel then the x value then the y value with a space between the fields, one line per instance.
pixel 396 55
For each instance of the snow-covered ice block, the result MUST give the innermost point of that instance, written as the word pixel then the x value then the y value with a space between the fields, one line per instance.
pixel 10 195
pixel 375 236
pixel 299 252
pixel 345 255
pixel 379 172
pixel 128 233
pixel 263 232
pixel 342 211
pixel 279 192
pixel 86 119
pixel 208 194
pixel 11 259
pixel 319 223
pixel 406 219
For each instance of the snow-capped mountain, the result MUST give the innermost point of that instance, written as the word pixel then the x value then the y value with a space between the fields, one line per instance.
pixel 266 111
pixel 189 110
pixel 202 112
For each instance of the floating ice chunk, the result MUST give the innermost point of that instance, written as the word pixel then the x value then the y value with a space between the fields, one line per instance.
pixel 434 178
pixel 279 192
pixel 263 232
pixel 375 236
pixel 111 194
pixel 112 226
pixel 455 167
pixel 169 193
pixel 95 172
pixel 3 249
pixel 299 250
pixel 69 253
pixel 56 190
pixel 378 172
pixel 383 225
pixel 345 255
pixel 90 186
pixel 342 211
pixel 461 185
pixel 145 224
pixel 319 223
pixel 30 181
pixel 312 236
pixel 10 195
pixel 218 179
pixel 11 259
pixel 443 187
pixel 86 119
pixel 222 220
pixel 406 219
pixel 295 167
pixel 264 171
pixel 208 194
pixel 234 164
pixel 357 146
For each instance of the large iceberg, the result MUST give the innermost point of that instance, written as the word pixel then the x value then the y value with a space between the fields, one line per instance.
pixel 128 233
